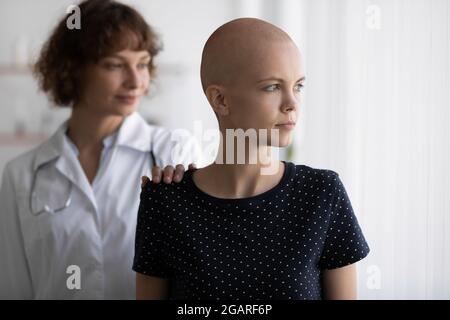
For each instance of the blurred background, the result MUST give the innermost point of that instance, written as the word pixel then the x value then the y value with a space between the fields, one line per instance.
pixel 376 110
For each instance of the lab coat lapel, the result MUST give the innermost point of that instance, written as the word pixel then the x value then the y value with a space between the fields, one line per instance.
pixel 66 163
pixel 70 167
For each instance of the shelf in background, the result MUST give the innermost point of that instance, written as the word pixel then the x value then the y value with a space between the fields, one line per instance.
pixel 9 139
pixel 6 69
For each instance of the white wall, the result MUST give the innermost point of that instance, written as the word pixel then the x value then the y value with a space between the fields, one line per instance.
pixel 376 110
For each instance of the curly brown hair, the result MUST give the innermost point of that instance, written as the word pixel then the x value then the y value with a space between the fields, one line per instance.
pixel 106 27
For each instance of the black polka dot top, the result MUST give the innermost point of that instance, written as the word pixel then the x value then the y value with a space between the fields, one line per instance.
pixel 271 246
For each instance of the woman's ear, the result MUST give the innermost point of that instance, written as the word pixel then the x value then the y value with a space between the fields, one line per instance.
pixel 216 97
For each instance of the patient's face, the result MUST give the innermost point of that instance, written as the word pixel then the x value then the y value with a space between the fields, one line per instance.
pixel 266 94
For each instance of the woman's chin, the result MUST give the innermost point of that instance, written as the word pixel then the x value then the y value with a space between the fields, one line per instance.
pixel 283 145
pixel 283 142
pixel 125 109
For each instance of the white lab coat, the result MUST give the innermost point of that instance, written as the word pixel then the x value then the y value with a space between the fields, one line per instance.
pixel 96 232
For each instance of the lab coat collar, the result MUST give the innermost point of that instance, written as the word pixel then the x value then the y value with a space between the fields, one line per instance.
pixel 135 133
pixel 52 148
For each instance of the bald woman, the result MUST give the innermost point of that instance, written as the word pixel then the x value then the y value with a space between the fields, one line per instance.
pixel 234 229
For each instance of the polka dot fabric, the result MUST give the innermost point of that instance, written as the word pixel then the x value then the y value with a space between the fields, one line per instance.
pixel 270 246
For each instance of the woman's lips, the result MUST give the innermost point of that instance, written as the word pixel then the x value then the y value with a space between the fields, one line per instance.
pixel 127 99
pixel 286 126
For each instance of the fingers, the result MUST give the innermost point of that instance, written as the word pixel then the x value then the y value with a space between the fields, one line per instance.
pixel 168 174
pixel 156 174
pixel 179 173
pixel 144 181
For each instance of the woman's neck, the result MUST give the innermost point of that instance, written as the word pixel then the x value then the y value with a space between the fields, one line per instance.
pixel 87 129
pixel 235 180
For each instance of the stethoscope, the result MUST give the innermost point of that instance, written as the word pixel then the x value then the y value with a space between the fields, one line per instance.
pixel 68 201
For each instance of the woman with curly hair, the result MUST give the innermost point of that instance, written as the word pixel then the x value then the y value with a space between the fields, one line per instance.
pixel 68 207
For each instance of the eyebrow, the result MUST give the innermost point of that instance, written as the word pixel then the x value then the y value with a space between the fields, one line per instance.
pixel 280 80
pixel 144 56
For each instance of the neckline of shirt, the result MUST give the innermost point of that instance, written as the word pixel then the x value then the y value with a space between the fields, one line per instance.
pixel 108 141
pixel 289 171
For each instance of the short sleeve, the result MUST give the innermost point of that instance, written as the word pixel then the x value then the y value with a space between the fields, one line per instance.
pixel 345 243
pixel 148 255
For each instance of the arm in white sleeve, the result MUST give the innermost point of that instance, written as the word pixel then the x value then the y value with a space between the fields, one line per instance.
pixel 190 152
pixel 15 280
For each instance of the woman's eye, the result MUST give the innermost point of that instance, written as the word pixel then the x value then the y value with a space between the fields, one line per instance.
pixel 143 65
pixel 299 87
pixel 113 66
pixel 272 87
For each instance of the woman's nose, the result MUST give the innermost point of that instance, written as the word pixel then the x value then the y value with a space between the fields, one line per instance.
pixel 132 79
pixel 290 102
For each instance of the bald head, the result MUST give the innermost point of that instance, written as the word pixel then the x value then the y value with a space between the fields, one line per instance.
pixel 234 46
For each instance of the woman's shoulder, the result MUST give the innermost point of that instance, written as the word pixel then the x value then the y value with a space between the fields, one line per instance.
pixel 179 145
pixel 164 191
pixel 307 176
pixel 21 164
pixel 162 135
pixel 311 172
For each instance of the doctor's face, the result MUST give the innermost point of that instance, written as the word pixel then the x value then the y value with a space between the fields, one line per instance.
pixel 116 83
